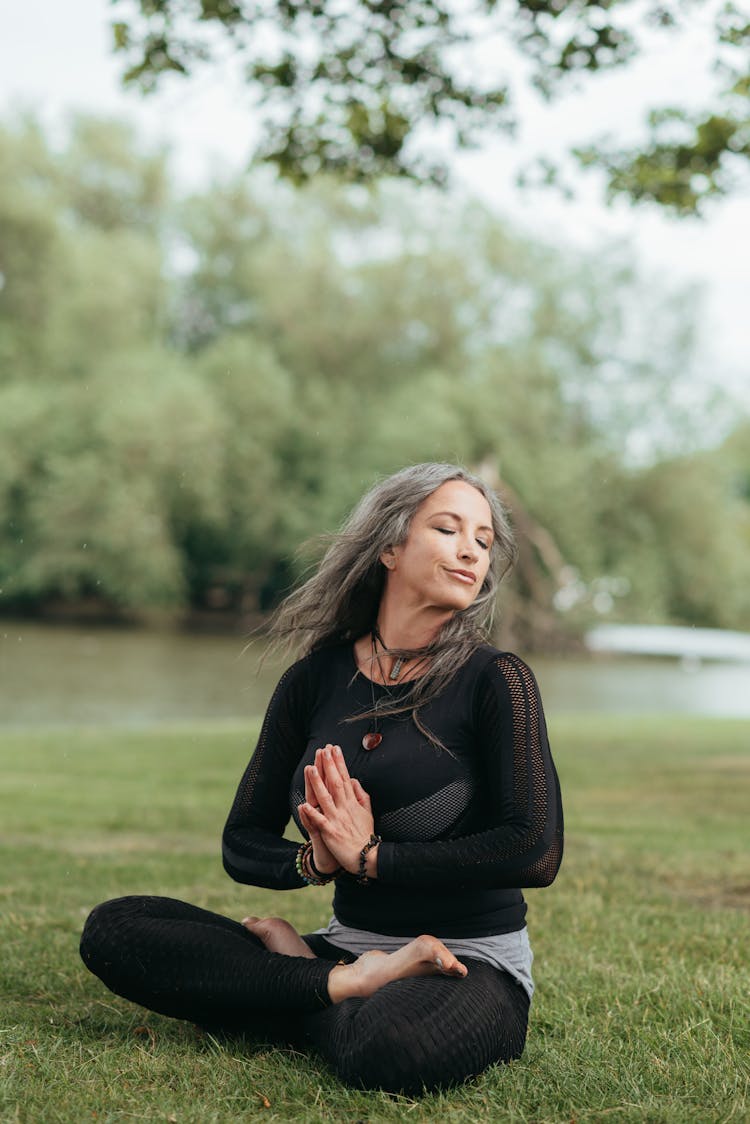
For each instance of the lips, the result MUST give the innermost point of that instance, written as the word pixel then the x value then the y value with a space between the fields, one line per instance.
pixel 464 575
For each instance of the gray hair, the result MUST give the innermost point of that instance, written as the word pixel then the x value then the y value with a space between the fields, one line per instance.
pixel 340 601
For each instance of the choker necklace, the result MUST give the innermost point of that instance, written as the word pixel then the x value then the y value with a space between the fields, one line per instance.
pixel 398 663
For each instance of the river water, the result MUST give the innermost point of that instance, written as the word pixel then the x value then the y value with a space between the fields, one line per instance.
pixel 77 676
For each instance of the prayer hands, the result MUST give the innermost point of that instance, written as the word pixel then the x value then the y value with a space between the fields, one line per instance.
pixel 337 813
pixel 324 861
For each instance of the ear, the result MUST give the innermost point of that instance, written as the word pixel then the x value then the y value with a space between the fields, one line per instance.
pixel 388 558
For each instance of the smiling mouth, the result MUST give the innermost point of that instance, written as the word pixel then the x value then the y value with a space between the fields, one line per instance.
pixel 463 575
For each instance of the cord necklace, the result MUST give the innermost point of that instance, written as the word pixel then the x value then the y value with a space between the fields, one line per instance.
pixel 373 738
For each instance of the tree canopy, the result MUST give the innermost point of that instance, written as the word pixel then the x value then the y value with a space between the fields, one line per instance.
pixel 190 388
pixel 353 86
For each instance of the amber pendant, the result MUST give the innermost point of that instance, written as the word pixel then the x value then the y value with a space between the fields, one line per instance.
pixel 372 740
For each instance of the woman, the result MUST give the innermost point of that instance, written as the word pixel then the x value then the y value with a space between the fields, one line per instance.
pixel 414 758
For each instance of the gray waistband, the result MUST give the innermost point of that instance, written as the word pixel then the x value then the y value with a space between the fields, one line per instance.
pixel 510 952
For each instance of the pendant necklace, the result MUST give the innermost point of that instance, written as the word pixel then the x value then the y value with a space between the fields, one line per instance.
pixel 373 738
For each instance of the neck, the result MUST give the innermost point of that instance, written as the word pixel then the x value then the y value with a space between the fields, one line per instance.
pixel 410 628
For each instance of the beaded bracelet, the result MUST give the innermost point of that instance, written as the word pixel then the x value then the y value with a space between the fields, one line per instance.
pixel 306 869
pixel 371 842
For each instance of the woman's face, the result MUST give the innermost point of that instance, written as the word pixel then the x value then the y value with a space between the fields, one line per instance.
pixel 445 558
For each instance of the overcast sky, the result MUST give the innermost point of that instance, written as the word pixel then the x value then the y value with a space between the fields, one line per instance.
pixel 55 57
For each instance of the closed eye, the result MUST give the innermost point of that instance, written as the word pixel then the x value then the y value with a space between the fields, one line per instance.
pixel 450 531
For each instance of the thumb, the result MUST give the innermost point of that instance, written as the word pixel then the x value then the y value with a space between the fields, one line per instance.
pixel 303 817
pixel 360 795
pixel 312 831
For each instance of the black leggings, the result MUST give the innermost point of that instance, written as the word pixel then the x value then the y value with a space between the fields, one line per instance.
pixel 412 1035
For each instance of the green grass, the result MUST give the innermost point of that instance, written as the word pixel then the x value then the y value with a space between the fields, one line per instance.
pixel 641 945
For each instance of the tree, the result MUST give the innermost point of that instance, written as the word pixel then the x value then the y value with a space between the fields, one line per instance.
pixel 81 271
pixel 101 424
pixel 173 437
pixel 350 85
pixel 348 333
pixel 680 536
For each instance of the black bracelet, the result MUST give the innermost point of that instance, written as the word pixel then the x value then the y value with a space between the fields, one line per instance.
pixel 371 842
pixel 319 873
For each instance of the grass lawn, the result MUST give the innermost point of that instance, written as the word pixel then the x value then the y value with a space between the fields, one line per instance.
pixel 641 945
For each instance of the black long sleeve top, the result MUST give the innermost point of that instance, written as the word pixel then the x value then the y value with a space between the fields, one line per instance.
pixel 464 828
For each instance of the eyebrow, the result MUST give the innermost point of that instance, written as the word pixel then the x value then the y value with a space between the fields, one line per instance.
pixel 453 515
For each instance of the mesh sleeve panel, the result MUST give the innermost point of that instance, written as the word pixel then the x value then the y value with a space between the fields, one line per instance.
pixel 524 846
pixel 253 848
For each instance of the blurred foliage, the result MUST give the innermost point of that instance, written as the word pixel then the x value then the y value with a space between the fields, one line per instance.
pixel 359 87
pixel 191 388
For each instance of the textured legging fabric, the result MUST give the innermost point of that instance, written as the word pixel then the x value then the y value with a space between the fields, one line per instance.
pixel 411 1035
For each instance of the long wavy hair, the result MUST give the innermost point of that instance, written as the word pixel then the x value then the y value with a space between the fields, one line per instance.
pixel 340 601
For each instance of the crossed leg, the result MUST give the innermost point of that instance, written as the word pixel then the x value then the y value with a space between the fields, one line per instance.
pixel 424 956
pixel 411 1021
pixel 399 1022
pixel 425 1032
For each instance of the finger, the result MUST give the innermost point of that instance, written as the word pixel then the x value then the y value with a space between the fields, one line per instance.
pixel 323 750
pixel 324 797
pixel 339 763
pixel 326 764
pixel 361 795
pixel 320 762
pixel 337 779
pixel 319 758
pixel 329 775
pixel 309 795
pixel 305 821
pixel 321 796
pixel 316 820
pixel 313 831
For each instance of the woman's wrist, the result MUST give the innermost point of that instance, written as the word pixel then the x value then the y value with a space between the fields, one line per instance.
pixel 319 870
pixel 371 862
pixel 306 867
pixel 363 873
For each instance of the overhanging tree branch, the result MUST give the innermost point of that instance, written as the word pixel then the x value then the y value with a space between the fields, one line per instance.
pixel 352 86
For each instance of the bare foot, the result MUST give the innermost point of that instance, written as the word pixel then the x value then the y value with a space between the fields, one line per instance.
pixel 278 936
pixel 424 956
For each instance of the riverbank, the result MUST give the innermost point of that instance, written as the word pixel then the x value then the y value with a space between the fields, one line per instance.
pixel 641 1012
pixel 85 676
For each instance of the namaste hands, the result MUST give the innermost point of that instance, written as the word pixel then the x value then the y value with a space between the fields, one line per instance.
pixel 336 814
pixel 338 818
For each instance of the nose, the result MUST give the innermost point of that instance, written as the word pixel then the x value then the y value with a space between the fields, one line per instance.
pixel 467 549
